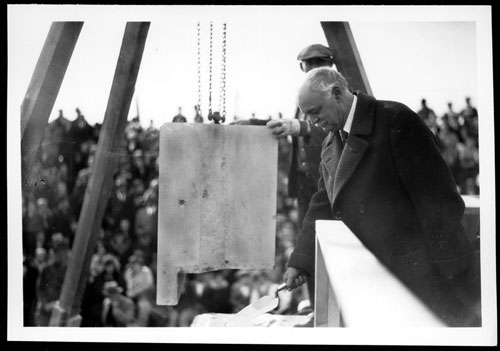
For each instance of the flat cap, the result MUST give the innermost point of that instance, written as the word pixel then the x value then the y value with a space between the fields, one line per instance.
pixel 315 51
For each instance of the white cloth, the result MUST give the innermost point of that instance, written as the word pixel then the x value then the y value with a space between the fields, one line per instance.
pixel 350 116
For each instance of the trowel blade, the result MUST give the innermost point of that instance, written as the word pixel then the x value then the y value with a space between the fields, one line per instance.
pixel 255 309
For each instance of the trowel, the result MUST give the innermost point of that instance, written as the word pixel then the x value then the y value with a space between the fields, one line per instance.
pixel 257 308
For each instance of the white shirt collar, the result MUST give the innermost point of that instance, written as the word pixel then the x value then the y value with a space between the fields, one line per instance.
pixel 350 116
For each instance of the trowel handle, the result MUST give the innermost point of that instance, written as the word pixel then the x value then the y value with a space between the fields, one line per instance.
pixel 281 287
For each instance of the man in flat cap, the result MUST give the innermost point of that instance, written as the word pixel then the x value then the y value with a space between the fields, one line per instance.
pixel 315 55
pixel 306 142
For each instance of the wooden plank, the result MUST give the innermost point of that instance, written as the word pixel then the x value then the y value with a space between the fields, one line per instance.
pixel 368 294
pixel 471 217
pixel 101 179
pixel 217 201
pixel 327 310
pixel 44 87
pixel 345 52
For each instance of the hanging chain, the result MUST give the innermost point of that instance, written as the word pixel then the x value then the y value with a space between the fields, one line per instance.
pixel 222 98
pixel 210 73
pixel 199 70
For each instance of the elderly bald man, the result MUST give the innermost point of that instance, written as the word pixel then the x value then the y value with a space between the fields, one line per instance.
pixel 382 174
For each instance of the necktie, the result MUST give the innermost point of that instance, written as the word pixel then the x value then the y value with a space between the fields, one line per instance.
pixel 343 136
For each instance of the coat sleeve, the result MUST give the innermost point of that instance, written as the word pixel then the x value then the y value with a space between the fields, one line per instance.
pixel 303 256
pixel 432 190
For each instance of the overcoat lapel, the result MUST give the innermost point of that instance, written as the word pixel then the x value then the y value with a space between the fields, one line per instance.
pixel 349 160
pixel 355 147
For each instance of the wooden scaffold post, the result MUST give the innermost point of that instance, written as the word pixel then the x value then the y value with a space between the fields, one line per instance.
pixel 66 313
pixel 44 87
pixel 347 59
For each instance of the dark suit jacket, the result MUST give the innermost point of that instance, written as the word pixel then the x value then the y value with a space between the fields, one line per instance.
pixel 394 191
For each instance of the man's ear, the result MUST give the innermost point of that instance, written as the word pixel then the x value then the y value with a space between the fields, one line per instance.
pixel 337 93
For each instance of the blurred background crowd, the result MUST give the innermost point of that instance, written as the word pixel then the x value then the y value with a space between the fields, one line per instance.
pixel 120 289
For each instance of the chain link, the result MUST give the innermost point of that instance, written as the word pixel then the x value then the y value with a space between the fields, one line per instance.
pixel 199 69
pixel 222 98
pixel 210 71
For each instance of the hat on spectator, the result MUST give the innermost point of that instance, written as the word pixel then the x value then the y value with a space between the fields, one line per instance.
pixel 112 288
pixel 315 51
pixel 111 259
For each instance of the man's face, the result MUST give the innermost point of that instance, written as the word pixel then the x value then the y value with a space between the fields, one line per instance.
pixel 323 111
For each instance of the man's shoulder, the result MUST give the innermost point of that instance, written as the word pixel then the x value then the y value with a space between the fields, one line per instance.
pixel 394 106
pixel 397 112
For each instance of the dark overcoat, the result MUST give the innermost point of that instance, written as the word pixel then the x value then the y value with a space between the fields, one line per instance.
pixel 394 191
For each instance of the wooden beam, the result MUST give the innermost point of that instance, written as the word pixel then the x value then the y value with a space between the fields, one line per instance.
pixel 345 53
pixel 101 179
pixel 44 87
pixel 366 292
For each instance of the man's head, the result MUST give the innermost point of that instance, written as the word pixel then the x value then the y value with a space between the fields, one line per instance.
pixel 325 97
pixel 314 56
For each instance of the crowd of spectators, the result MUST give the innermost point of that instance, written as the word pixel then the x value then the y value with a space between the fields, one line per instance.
pixel 121 286
pixel 457 137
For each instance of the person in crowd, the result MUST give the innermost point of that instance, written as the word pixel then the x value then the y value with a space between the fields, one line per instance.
pixel 198 118
pixel 137 188
pixel 62 220
pixel 469 119
pixel 382 175
pixel 59 192
pixel 33 227
pixel 43 209
pixel 50 282
pixel 140 287
pixel 118 310
pixel 468 156
pixel 33 267
pixel 179 118
pixel 449 150
pixel 121 241
pixel 120 204
pixel 451 120
pixel 241 290
pixel 151 138
pixel 40 259
pixel 80 130
pixel 56 144
pixel 138 167
pixel 30 277
pixel 425 113
pixel 97 260
pixel 81 160
pixel 146 222
pixel 80 186
pixel 215 293
pixel 94 294
pixel 429 117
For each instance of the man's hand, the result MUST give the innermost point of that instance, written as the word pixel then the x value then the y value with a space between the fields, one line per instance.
pixel 284 127
pixel 294 278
